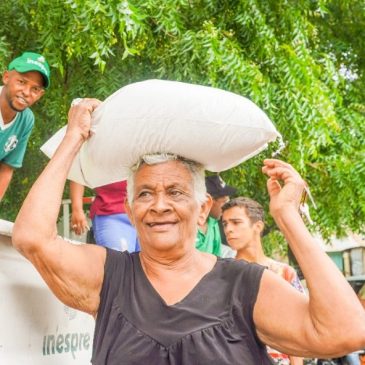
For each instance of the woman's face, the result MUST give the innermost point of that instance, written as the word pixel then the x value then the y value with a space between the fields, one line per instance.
pixel 164 210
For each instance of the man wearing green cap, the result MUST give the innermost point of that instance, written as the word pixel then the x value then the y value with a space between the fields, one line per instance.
pixel 24 83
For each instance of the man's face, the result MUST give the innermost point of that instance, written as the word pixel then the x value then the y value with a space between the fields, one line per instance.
pixel 22 90
pixel 239 229
pixel 216 210
pixel 164 211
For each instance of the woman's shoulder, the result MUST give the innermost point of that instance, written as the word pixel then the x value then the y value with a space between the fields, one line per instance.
pixel 240 269
pixel 120 261
pixel 239 263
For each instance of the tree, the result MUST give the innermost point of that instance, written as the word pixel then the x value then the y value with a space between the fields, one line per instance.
pixel 292 58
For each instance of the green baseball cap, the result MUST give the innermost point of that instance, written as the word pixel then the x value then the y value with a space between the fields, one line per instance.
pixel 30 61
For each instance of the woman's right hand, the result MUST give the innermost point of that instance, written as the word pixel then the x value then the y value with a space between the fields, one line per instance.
pixel 79 117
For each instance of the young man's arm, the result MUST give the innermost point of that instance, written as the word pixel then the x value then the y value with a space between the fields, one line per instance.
pixel 6 174
pixel 296 360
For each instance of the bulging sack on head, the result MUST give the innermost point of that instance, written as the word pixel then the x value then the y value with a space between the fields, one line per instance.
pixel 216 128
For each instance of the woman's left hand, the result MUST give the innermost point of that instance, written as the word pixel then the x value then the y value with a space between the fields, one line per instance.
pixel 285 185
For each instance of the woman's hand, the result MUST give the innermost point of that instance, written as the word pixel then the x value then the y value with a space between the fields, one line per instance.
pixel 79 117
pixel 285 185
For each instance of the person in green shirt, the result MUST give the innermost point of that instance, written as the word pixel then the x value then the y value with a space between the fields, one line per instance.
pixel 24 83
pixel 209 237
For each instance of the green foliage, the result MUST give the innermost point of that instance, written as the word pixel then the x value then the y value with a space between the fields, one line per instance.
pixel 301 61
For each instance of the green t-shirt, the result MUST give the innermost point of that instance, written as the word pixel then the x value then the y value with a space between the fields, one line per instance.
pixel 210 241
pixel 14 139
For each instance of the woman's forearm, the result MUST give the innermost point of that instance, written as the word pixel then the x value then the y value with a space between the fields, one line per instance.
pixel 37 218
pixel 332 302
pixel 36 221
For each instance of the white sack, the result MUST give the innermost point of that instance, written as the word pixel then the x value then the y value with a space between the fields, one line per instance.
pixel 214 127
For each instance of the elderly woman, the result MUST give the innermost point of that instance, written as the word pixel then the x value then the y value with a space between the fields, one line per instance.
pixel 171 304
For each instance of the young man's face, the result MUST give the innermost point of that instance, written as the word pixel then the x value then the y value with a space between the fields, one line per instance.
pixel 239 229
pixel 22 90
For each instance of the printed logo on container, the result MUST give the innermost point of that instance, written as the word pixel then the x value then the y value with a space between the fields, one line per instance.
pixel 69 342
pixel 59 343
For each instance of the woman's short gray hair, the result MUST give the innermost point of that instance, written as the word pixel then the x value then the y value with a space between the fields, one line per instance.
pixel 196 169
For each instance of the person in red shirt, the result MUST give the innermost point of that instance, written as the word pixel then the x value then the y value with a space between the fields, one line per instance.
pixel 111 225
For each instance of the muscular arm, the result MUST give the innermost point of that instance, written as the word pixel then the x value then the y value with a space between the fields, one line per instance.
pixel 328 323
pixel 6 174
pixel 295 283
pixel 65 267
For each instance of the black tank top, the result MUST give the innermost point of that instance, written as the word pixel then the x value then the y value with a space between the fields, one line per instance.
pixel 212 325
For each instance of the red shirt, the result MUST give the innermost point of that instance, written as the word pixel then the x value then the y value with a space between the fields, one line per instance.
pixel 109 199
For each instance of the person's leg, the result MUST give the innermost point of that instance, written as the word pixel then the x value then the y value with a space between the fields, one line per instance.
pixel 115 231
pixel 128 234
